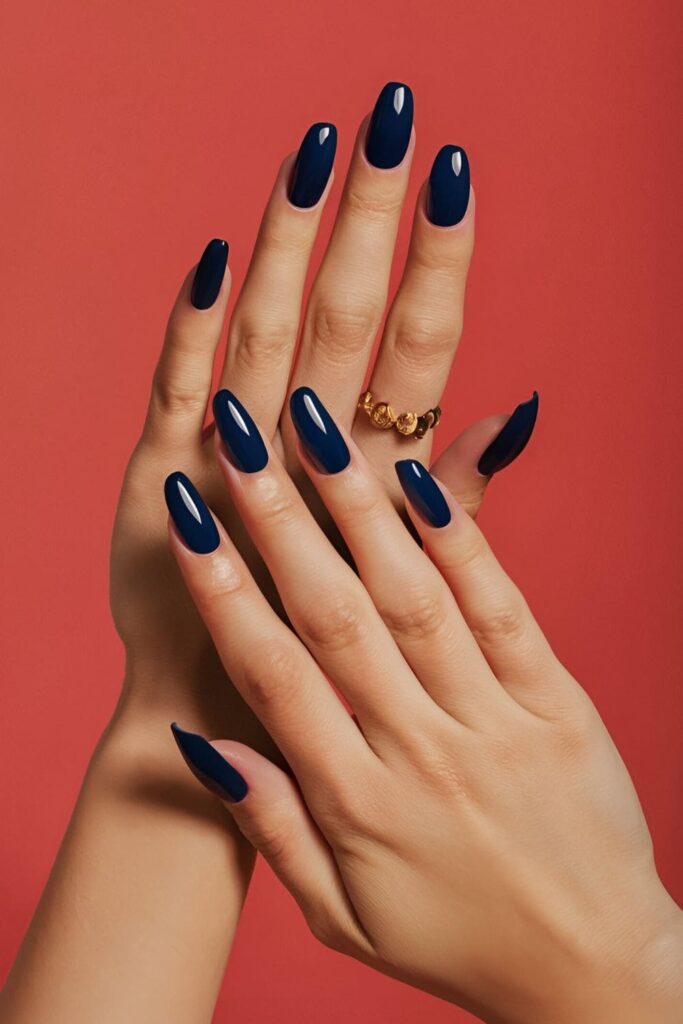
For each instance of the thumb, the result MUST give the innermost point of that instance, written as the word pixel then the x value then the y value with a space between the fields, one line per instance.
pixel 482 449
pixel 270 812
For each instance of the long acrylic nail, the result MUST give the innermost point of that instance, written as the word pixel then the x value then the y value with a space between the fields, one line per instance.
pixel 512 440
pixel 207 765
pixel 239 433
pixel 318 433
pixel 190 514
pixel 449 187
pixel 313 165
pixel 390 126
pixel 423 493
pixel 209 275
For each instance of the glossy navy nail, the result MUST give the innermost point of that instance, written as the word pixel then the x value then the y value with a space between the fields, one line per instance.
pixel 207 765
pixel 209 275
pixel 313 165
pixel 318 433
pixel 449 187
pixel 423 493
pixel 190 515
pixel 239 433
pixel 390 126
pixel 512 440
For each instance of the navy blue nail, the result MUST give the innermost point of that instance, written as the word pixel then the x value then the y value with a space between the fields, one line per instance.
pixel 512 440
pixel 423 493
pixel 207 765
pixel 390 126
pixel 449 187
pixel 318 433
pixel 190 514
pixel 209 275
pixel 313 165
pixel 239 433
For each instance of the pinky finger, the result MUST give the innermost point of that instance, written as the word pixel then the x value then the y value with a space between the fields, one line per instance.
pixel 482 449
pixel 271 814
pixel 493 607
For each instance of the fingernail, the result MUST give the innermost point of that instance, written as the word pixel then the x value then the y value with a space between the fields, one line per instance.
pixel 239 433
pixel 190 514
pixel 313 165
pixel 318 433
pixel 209 274
pixel 390 126
pixel 207 765
pixel 512 440
pixel 449 187
pixel 423 493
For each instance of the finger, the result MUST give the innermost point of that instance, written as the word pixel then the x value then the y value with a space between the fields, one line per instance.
pixel 265 322
pixel 424 324
pixel 325 602
pixel 408 591
pixel 182 380
pixel 269 666
pixel 348 297
pixel 493 607
pixel 492 443
pixel 270 812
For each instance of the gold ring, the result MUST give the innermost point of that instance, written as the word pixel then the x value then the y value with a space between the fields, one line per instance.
pixel 409 424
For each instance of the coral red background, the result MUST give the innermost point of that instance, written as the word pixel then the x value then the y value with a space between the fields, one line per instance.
pixel 135 131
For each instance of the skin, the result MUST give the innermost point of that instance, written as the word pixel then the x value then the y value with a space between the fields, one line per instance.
pixel 473 831
pixel 139 818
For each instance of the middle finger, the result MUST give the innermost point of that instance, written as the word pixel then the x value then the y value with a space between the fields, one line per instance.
pixel 349 294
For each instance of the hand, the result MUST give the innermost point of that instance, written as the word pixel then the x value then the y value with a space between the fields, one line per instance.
pixel 170 661
pixel 474 831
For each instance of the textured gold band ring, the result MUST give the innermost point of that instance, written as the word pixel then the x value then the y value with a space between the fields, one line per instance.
pixel 409 424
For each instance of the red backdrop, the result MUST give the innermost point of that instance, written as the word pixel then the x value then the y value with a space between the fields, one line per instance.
pixel 136 131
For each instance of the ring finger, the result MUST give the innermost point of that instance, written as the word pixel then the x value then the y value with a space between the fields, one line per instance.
pixel 425 321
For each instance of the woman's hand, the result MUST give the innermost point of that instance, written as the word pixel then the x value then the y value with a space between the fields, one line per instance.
pixel 473 831
pixel 170 661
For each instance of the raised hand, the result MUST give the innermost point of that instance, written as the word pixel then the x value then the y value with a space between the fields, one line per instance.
pixel 170 661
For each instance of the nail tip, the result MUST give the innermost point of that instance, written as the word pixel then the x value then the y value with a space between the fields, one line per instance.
pixel 512 439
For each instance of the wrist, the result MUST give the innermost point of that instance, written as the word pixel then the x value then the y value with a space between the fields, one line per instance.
pixel 636 979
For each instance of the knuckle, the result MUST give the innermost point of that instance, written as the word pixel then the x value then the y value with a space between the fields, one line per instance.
pixel 503 624
pixel 277 508
pixel 335 622
pixel 344 332
pixel 171 396
pixel 423 618
pixel 448 260
pixel 272 679
pixel 375 205
pixel 282 241
pixel 221 583
pixel 270 838
pixel 263 343
pixel 422 346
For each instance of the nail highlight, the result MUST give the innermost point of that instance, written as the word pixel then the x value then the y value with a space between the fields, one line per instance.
pixel 313 165
pixel 207 765
pixel 239 433
pixel 390 126
pixel 449 187
pixel 190 514
pixel 512 440
pixel 423 493
pixel 209 275
pixel 319 435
